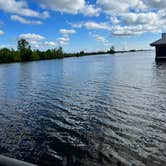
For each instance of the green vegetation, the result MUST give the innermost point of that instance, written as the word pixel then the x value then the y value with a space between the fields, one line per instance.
pixel 24 53
pixel 24 50
pixel 112 50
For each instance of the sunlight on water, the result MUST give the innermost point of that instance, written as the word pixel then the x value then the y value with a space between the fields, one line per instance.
pixel 95 110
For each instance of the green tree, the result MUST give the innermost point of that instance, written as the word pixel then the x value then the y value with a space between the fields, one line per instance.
pixel 82 53
pixel 5 55
pixel 60 53
pixel 112 50
pixel 24 49
pixel 35 55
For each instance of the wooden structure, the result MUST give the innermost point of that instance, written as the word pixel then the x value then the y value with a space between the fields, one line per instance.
pixel 160 48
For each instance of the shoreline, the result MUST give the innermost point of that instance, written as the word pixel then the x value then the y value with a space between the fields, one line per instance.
pixel 70 55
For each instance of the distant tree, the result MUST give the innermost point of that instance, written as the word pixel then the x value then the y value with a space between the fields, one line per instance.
pixel 24 53
pixel 82 53
pixel 23 44
pixel 112 50
pixel 5 55
pixel 24 49
pixel 132 50
pixel 48 54
pixel 60 51
pixel 35 55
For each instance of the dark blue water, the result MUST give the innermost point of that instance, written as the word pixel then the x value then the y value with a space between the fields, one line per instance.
pixel 106 110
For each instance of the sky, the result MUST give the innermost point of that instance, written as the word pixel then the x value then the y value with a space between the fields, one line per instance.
pixel 76 25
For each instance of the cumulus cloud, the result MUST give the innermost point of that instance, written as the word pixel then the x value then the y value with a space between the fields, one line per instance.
pixel 76 25
pixel 101 39
pixel 138 23
pixel 123 17
pixel 50 43
pixel 127 30
pixel 40 42
pixel 92 25
pixel 63 5
pixel 120 6
pixel 129 17
pixel 140 18
pixel 21 8
pixel 130 30
pixel 114 20
pixel 67 31
pixel 95 25
pixel 24 21
pixel 157 4
pixel 134 17
pixel 63 40
pixel 91 10
pixel 31 37
pixel 73 7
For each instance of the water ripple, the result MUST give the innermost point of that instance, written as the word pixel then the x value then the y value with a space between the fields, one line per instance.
pixel 98 110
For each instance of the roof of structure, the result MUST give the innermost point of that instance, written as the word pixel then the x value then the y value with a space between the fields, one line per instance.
pixel 158 42
pixel 162 41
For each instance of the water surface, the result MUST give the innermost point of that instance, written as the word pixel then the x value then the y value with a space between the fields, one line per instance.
pixel 92 111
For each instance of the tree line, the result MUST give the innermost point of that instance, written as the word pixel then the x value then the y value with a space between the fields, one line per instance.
pixel 25 53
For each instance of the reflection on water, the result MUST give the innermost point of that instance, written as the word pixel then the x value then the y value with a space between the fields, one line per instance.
pixel 96 110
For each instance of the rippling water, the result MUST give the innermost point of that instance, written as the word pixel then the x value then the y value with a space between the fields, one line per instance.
pixel 91 111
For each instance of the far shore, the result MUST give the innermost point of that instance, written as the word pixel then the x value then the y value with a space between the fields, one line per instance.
pixel 69 55
pixel 24 53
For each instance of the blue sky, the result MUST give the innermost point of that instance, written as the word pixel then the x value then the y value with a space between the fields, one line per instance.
pixel 77 25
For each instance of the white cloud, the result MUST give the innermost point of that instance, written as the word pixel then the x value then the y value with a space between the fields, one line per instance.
pixel 24 21
pixel 21 8
pixel 39 42
pixel 127 30
pixel 91 25
pixel 124 17
pixel 67 31
pixel 114 20
pixel 50 44
pixel 135 17
pixel 91 10
pixel 63 5
pixel 1 32
pixel 95 25
pixel 140 18
pixel 157 4
pixel 120 5
pixel 63 40
pixel 101 39
pixel 36 41
pixel 76 25
pixel 68 6
pixel 31 37
pixel 134 29
pixel 139 23
pixel 44 14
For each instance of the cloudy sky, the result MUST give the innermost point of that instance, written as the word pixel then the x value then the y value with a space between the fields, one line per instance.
pixel 82 24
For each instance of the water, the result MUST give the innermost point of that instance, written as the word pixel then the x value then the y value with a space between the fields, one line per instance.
pixel 92 111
